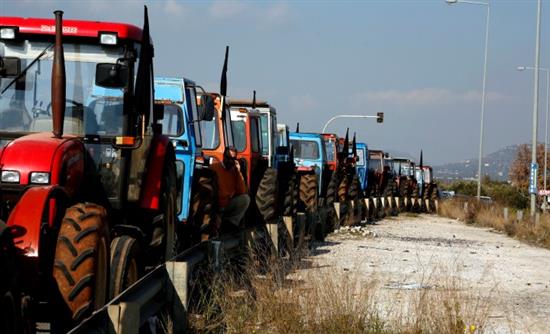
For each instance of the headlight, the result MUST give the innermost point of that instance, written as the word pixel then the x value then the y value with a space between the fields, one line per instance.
pixel 108 38
pixel 7 33
pixel 10 176
pixel 40 178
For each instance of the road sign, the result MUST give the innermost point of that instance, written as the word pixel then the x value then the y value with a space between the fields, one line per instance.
pixel 533 179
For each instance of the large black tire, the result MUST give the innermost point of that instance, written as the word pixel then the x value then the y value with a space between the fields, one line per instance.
pixel 203 208
pixel 290 205
pixel 354 194
pixel 309 189
pixel 81 265
pixel 125 265
pixel 342 194
pixel 308 192
pixel 266 196
pixel 332 197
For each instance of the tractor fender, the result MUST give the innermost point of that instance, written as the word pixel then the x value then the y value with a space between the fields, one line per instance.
pixel 161 147
pixel 28 216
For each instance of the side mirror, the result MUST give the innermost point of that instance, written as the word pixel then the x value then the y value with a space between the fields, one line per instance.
pixel 206 108
pixel 109 75
pixel 10 67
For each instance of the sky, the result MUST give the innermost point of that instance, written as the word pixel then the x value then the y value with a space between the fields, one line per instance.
pixel 419 62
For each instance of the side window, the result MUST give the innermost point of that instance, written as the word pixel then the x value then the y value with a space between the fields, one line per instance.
pixel 255 138
pixel 265 133
pixel 239 131
pixel 191 104
pixel 172 122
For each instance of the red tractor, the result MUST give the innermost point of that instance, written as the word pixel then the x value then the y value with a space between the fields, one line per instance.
pixel 92 205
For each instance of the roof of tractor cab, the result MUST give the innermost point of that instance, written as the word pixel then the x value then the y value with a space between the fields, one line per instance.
pixel 305 135
pixel 247 103
pixel 361 145
pixel 80 28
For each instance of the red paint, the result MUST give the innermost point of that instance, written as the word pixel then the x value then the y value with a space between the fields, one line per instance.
pixel 304 169
pixel 79 28
pixel 63 158
pixel 28 214
pixel 150 192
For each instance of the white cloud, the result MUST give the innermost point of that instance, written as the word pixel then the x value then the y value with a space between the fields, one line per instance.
pixel 424 97
pixel 225 9
pixel 277 13
pixel 173 7
pixel 304 102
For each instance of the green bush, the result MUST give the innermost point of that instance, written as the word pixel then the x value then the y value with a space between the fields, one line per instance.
pixel 501 192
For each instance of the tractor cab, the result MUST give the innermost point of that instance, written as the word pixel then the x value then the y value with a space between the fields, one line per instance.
pixel 183 109
pixel 362 164
pixel 332 147
pixel 252 148
pixel 309 154
pixel 101 105
pixel 217 132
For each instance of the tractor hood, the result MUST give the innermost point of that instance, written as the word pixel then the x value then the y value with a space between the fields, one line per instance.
pixel 31 153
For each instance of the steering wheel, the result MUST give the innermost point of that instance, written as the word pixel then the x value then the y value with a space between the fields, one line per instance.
pixel 73 102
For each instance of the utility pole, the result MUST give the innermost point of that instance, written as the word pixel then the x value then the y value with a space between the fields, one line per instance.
pixel 535 116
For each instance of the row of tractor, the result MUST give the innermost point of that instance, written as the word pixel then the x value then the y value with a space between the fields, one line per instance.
pixel 108 171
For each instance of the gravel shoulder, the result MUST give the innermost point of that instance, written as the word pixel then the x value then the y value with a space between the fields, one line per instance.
pixel 408 253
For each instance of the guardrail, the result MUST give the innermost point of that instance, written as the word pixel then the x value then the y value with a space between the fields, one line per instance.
pixel 165 288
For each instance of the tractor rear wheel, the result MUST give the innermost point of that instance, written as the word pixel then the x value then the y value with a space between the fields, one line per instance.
pixel 291 198
pixel 354 195
pixel 168 206
pixel 332 193
pixel 203 206
pixel 343 188
pixel 309 197
pixel 266 196
pixel 125 267
pixel 81 264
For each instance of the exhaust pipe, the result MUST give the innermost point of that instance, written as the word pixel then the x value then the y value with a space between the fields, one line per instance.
pixel 58 78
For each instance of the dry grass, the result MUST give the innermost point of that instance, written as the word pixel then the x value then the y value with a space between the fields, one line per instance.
pixel 536 233
pixel 323 301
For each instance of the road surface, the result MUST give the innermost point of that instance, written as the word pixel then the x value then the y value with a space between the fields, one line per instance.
pixel 403 255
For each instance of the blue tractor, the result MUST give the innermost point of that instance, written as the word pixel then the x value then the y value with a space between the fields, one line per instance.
pixel 184 108
pixel 310 159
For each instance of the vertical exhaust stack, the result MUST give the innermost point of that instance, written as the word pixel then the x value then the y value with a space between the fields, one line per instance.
pixel 58 78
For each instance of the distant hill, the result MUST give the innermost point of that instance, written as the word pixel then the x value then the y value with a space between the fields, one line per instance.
pixel 496 165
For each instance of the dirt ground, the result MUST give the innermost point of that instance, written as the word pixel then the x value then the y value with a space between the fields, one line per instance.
pixel 409 253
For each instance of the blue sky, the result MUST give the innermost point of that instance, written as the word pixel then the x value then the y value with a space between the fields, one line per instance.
pixel 420 62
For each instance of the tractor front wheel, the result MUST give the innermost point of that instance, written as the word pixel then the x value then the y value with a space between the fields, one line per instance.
pixel 125 268
pixel 81 264
pixel 266 196
pixel 309 197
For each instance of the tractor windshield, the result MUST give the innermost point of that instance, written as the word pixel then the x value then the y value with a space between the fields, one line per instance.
pixel 305 149
pixel 25 106
pixel 375 164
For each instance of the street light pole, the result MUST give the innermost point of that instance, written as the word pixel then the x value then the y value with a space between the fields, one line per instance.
pixel 347 116
pixel 535 110
pixel 547 70
pixel 483 92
